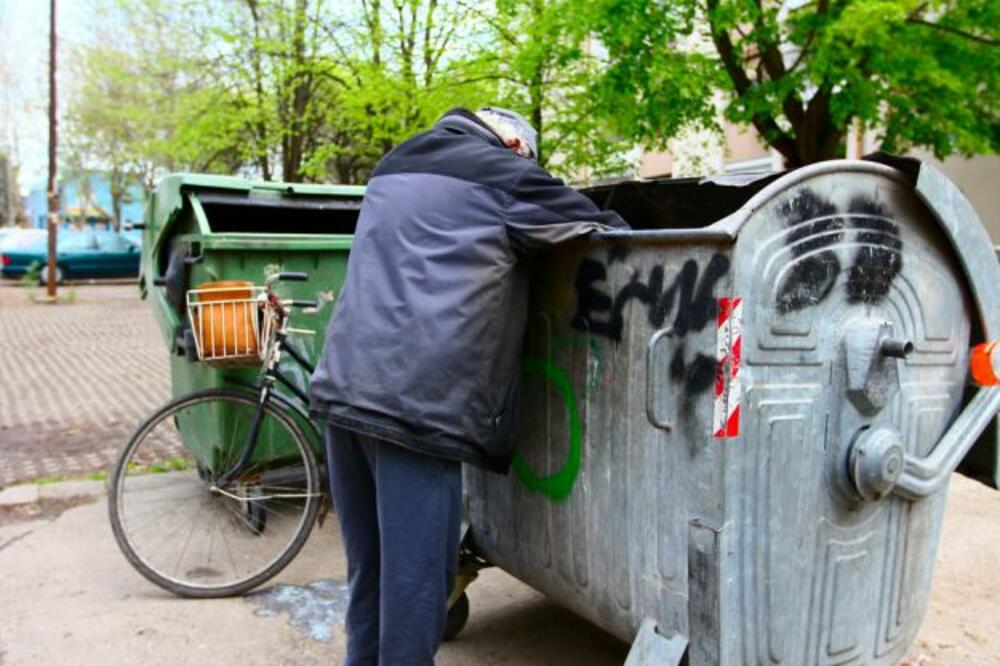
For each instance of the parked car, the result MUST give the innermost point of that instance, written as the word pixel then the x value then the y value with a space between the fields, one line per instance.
pixel 80 254
pixel 13 238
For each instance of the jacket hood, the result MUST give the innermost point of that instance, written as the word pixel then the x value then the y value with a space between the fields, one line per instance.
pixel 466 121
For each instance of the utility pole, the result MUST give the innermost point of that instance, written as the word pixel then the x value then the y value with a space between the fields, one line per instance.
pixel 6 195
pixel 53 189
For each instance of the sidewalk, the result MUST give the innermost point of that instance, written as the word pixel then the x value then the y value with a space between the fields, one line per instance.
pixel 75 379
pixel 70 597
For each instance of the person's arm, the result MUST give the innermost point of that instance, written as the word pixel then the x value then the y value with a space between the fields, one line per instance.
pixel 544 211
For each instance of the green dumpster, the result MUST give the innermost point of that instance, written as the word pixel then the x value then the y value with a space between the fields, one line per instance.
pixel 202 228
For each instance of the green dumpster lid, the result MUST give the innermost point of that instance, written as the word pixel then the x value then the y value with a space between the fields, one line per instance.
pixel 169 198
pixel 185 181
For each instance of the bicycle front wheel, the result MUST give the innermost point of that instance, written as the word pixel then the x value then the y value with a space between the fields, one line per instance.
pixel 187 531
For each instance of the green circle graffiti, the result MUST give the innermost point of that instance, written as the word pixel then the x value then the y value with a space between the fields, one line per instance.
pixel 559 485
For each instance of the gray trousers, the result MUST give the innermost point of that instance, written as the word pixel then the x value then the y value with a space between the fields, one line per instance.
pixel 400 515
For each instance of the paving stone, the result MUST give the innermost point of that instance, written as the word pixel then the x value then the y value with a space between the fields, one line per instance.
pixel 75 379
pixel 22 494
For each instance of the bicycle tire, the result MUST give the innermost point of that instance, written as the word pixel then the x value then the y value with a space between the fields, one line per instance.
pixel 279 562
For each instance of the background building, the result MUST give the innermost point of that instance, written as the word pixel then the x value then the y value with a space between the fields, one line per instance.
pixel 10 198
pixel 740 150
pixel 85 199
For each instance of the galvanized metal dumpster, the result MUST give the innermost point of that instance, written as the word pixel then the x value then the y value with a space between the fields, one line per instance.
pixel 202 228
pixel 738 421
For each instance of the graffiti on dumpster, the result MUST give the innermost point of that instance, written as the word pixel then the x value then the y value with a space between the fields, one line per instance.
pixel 559 485
pixel 817 227
pixel 686 303
pixel 688 299
pixel 814 228
pixel 879 259
pixel 697 375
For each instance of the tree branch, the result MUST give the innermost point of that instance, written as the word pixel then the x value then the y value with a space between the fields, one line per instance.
pixel 953 31
pixel 773 63
pixel 765 124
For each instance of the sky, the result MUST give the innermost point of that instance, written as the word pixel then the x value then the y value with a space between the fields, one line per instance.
pixel 24 53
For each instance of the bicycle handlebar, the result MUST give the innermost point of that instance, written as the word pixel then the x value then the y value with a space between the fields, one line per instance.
pixel 286 276
pixel 294 303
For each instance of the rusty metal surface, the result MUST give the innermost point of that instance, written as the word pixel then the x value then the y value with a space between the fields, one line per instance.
pixel 776 542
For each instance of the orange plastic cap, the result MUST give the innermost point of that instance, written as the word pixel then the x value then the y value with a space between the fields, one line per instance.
pixel 986 363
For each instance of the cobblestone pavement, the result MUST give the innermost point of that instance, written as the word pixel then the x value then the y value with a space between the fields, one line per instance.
pixel 75 378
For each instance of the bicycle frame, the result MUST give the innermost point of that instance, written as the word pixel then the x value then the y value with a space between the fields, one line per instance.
pixel 270 377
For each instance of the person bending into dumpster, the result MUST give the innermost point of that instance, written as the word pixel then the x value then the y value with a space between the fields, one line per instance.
pixel 420 367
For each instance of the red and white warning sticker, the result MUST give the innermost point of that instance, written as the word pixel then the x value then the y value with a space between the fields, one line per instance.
pixel 728 351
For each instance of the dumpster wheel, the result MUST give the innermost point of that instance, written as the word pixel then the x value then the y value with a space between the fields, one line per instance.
pixel 469 566
pixel 458 615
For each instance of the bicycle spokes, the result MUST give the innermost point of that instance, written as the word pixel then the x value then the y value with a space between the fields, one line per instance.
pixel 196 531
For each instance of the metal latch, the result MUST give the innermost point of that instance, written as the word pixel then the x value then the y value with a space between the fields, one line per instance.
pixel 873 352
pixel 874 459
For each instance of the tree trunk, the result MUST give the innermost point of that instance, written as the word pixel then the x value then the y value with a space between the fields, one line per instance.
pixel 260 125
pixel 300 91
pixel 536 93
pixel 117 183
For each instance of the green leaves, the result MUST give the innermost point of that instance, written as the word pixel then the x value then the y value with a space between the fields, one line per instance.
pixel 311 90
pixel 924 73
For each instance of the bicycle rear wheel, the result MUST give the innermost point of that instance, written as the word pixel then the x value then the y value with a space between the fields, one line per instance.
pixel 183 530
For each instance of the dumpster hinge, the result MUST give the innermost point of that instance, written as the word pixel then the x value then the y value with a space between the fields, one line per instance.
pixel 651 648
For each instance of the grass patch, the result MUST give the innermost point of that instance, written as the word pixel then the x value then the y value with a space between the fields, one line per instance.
pixel 49 480
pixel 30 280
pixel 99 475
pixel 171 465
pixel 176 464
pixel 30 277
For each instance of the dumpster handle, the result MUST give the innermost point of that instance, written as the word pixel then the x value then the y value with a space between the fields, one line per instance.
pixel 925 476
pixel 191 259
pixel 654 341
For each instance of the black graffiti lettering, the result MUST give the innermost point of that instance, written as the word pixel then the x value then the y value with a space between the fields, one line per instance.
pixel 618 252
pixel 590 299
pixel 689 298
pixel 816 227
pixel 697 376
pixel 879 260
pixel 696 309
pixel 808 282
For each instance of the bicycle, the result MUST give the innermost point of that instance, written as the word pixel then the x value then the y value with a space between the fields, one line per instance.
pixel 218 490
pixel 262 491
pixel 256 484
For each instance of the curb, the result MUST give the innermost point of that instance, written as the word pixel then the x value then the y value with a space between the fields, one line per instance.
pixel 32 493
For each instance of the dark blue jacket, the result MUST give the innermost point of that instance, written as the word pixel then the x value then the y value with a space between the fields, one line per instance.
pixel 424 344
